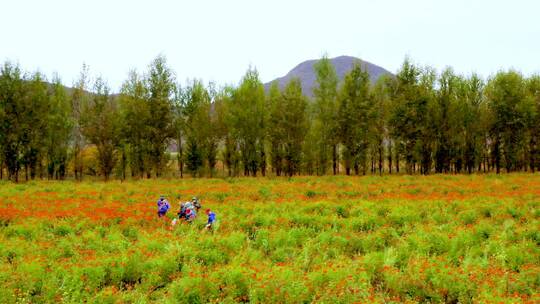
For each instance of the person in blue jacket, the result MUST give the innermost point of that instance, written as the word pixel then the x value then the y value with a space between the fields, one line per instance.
pixel 211 219
pixel 163 206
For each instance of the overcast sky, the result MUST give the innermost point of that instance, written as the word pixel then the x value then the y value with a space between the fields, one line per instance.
pixel 218 40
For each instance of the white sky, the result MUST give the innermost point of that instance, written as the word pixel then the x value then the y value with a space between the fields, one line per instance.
pixel 218 40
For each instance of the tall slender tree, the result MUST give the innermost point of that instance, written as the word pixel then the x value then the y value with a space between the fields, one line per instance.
pixel 230 153
pixel 427 128
pixel 379 127
pixel 326 115
pixel 276 129
pixel 179 125
pixel 11 126
pixel 446 99
pixel 79 99
pixel 511 109
pixel 293 120
pixel 58 131
pixel 135 117
pixel 353 119
pixel 99 124
pixel 34 120
pixel 161 88
pixel 406 116
pixel 247 118
pixel 470 104
pixel 533 87
pixel 201 144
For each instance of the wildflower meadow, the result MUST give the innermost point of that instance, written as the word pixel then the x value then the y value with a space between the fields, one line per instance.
pixel 333 239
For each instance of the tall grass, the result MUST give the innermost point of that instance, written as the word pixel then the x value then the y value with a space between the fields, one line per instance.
pixel 450 239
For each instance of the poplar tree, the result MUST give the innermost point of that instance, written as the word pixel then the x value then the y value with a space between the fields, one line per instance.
pixel 325 125
pixel 405 116
pixel 220 127
pixel 58 136
pixel 470 104
pixel 446 99
pixel 511 108
pixel 33 118
pixel 276 129
pixel 379 127
pixel 200 142
pixel 353 119
pixel 99 125
pixel 230 153
pixel 533 88
pixel 161 88
pixel 135 117
pixel 293 121
pixel 11 128
pixel 247 119
pixel 79 99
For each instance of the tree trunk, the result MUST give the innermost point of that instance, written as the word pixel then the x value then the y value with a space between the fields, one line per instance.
pixel 335 159
pixel 497 156
pixel 40 169
pixel 180 157
pixel 390 158
pixel 124 164
pixel 397 163
pixel 263 163
pixel 380 158
pixel 480 164
pixel 532 154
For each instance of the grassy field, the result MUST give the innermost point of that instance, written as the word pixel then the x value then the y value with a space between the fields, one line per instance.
pixel 472 239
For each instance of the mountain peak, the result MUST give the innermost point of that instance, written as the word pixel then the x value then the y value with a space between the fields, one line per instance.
pixel 343 64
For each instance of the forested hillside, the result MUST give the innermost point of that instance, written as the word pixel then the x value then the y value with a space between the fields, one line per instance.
pixel 418 121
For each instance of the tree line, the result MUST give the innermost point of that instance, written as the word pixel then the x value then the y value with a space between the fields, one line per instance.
pixel 416 122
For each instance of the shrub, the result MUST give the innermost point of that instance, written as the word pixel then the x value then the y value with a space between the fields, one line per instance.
pixel 469 217
pixel 311 193
pixel 342 212
pixel 62 230
pixel 365 224
pixel 265 193
pixel 236 285
pixel 514 212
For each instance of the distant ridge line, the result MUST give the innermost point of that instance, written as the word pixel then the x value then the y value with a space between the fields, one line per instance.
pixel 343 64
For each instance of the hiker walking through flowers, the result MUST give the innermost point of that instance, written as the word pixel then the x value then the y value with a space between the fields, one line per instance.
pixel 163 206
pixel 211 219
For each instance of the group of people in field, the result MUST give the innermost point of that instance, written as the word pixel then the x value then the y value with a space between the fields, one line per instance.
pixel 187 211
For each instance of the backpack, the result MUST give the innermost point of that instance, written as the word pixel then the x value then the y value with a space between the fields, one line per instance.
pixel 164 207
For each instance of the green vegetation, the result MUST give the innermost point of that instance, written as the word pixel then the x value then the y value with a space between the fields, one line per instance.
pixel 333 239
pixel 418 121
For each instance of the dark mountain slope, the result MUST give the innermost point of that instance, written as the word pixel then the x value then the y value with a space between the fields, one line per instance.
pixel 343 64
